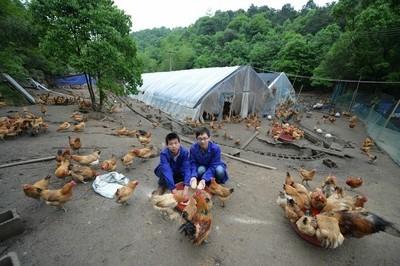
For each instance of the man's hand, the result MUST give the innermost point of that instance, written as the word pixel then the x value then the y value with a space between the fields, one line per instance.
pixel 193 182
pixel 201 185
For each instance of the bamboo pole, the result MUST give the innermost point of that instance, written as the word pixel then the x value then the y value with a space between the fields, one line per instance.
pixel 28 161
pixel 249 162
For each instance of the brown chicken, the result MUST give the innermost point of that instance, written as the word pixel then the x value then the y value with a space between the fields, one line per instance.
pixel 63 170
pixel 344 203
pixel 307 175
pixel 87 159
pixel 143 137
pixel 318 199
pixel 79 127
pixel 110 164
pixel 127 160
pixel 124 193
pixel 82 173
pixel 301 199
pixel 74 143
pixel 237 142
pixel 122 131
pixel 168 201
pixel 353 119
pixel 62 155
pixel 220 191
pixel 78 117
pixel 43 109
pixel 198 228
pixel 354 182
pixel 58 197
pixel 352 124
pixel 293 211
pixel 33 191
pixel 63 126
pixel 144 153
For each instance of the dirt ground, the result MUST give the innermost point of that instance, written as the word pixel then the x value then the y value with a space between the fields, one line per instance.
pixel 250 230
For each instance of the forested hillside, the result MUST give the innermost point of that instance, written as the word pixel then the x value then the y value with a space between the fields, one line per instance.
pixel 345 40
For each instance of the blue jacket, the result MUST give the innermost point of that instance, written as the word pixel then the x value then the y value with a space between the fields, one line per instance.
pixel 169 167
pixel 210 159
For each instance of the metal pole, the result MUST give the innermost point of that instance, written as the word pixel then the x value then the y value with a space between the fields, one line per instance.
pixel 392 113
pixel 298 95
pixel 354 95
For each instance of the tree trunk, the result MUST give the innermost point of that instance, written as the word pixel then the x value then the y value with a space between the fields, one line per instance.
pixel 102 95
pixel 90 89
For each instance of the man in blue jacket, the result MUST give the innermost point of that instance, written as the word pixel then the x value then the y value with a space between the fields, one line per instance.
pixel 174 164
pixel 205 161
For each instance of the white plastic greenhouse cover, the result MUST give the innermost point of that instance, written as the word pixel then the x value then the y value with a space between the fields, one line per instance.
pixel 281 88
pixel 188 93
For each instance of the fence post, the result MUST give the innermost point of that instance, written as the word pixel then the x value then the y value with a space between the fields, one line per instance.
pixel 354 95
pixel 392 113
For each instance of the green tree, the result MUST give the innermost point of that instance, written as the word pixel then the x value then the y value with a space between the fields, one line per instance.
pixel 91 36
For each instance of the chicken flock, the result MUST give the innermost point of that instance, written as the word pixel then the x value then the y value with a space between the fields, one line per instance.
pixel 326 214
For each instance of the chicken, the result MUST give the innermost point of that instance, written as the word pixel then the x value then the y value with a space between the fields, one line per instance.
pixel 307 175
pixel 79 127
pixel 143 137
pixel 144 153
pixel 167 202
pixel 352 124
pixel 318 199
pixel 63 170
pixel 237 142
pixel 293 211
pixel 124 193
pixel 353 119
pixel 74 143
pixel 360 222
pixel 78 117
pixel 58 197
pixel 82 173
pixel 199 227
pixel 61 155
pixel 122 131
pixel 110 164
pixel 334 203
pixel 127 160
pixel 87 159
pixel 328 188
pixel 301 199
pixel 220 191
pixel 43 109
pixel 328 231
pixel 354 182
pixel 282 199
pixel 63 126
pixel 33 191
pixel 155 124
pixel 371 158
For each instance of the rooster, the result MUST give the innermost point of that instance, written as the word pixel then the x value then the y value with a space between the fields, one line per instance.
pixel 74 143
pixel 32 191
pixel 360 222
pixel 198 228
pixel 58 197
pixel 220 191
pixel 124 193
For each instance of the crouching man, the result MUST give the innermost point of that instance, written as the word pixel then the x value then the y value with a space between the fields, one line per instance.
pixel 205 161
pixel 174 166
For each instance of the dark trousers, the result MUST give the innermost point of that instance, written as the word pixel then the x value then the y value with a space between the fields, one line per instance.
pixel 163 183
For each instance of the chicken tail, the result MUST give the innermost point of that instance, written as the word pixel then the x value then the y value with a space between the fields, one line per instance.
pixel 381 224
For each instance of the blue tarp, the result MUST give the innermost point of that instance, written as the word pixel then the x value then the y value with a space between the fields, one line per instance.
pixel 78 79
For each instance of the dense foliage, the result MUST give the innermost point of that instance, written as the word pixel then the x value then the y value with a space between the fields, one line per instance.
pixel 344 40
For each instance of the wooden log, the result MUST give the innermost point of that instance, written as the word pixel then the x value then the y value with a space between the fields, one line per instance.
pixel 249 162
pixel 249 140
pixel 28 161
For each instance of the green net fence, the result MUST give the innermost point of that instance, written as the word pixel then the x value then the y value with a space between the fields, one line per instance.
pixel 374 111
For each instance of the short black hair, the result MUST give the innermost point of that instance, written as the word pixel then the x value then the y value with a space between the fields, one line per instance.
pixel 201 131
pixel 171 136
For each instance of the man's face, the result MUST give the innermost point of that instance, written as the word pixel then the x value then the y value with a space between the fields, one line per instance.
pixel 203 140
pixel 174 145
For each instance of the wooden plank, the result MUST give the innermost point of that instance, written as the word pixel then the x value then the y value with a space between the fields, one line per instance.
pixel 249 140
pixel 249 162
